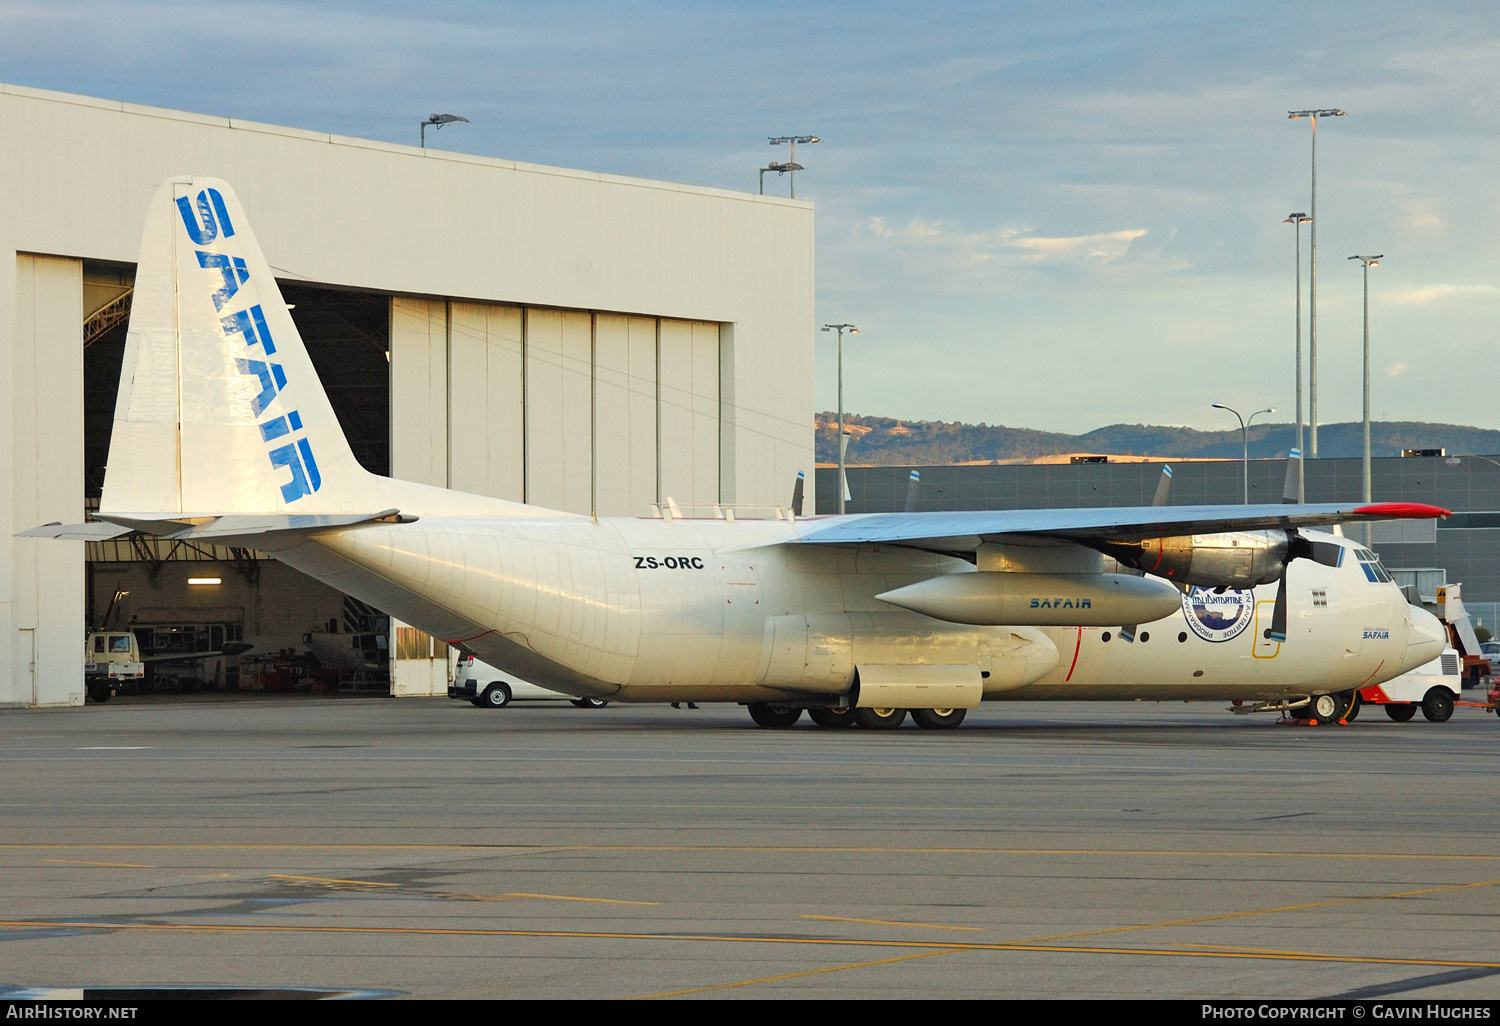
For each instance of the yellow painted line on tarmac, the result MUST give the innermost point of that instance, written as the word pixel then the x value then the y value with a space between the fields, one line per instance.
pixel 893 922
pixel 330 880
pixel 1270 911
pixel 113 865
pixel 565 897
pixel 792 976
pixel 543 849
pixel 946 947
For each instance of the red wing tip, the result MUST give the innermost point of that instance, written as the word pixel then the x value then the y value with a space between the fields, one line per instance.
pixel 1407 510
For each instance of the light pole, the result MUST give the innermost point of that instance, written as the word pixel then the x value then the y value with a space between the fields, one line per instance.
pixel 1312 278
pixel 1245 437
pixel 851 329
pixel 438 121
pixel 791 160
pixel 1299 219
pixel 1367 262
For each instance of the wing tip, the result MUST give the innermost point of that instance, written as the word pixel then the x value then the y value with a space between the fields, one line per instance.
pixel 1403 511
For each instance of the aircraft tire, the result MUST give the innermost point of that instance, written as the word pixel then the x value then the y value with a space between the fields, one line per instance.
pixel 496 696
pixel 825 717
pixel 588 703
pixel 1355 704
pixel 879 719
pixel 1324 708
pixel 99 694
pixel 938 719
pixel 1400 711
pixel 767 715
pixel 1437 704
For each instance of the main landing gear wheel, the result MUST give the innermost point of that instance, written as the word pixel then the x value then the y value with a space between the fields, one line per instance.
pixel 767 715
pixel 825 717
pixel 1355 704
pixel 938 719
pixel 1437 704
pixel 496 696
pixel 589 703
pixel 1400 711
pixel 1324 708
pixel 879 719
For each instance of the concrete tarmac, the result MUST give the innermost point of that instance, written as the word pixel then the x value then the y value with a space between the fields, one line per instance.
pixel 430 848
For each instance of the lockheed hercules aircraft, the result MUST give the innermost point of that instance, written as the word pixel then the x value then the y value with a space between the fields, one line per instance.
pixel 223 434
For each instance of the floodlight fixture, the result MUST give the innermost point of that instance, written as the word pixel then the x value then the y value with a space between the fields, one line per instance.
pixel 438 121
pixel 791 161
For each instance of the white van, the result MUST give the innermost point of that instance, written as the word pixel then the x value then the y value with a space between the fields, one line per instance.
pixel 488 688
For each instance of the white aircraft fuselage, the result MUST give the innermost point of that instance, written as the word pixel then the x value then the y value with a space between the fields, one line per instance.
pixel 706 610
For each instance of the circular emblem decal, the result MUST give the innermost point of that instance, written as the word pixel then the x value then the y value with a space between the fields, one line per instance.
pixel 1218 617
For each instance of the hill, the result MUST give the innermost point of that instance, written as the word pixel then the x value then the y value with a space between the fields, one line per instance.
pixel 882 441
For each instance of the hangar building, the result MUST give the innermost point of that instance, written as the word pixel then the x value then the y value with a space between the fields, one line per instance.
pixel 582 341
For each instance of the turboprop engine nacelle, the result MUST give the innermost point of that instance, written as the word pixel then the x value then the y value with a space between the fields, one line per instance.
pixel 1007 598
pixel 1239 559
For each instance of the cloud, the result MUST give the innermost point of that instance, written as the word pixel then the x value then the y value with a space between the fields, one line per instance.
pixel 1397 369
pixel 1422 295
pixel 1101 247
pixel 1019 246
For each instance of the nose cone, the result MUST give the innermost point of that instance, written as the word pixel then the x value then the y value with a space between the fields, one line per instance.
pixel 1426 637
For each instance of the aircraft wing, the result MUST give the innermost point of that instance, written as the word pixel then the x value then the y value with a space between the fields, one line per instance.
pixel 961 531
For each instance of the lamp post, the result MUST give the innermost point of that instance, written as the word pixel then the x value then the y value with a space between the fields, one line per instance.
pixel 1367 262
pixel 1298 220
pixel 851 329
pixel 1312 278
pixel 791 164
pixel 438 121
pixel 1245 437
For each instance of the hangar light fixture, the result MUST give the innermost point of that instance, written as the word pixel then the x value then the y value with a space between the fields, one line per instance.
pixel 791 164
pixel 205 580
pixel 438 121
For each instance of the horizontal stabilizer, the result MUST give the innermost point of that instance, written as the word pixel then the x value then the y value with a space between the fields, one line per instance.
pixel 249 525
pixel 76 532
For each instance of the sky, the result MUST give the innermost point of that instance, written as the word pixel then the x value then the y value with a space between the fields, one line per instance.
pixel 1056 215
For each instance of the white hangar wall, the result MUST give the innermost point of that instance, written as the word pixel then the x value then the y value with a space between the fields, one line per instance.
pixel 575 339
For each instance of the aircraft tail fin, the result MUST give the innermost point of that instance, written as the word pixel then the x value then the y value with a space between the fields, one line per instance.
pixel 1290 488
pixel 220 410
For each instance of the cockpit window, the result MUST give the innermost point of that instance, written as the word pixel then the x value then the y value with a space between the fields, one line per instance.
pixel 1370 564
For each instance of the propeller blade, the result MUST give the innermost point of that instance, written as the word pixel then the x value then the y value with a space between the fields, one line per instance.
pixel 1278 614
pixel 797 495
pixel 1162 487
pixel 1127 632
pixel 913 483
pixel 1291 490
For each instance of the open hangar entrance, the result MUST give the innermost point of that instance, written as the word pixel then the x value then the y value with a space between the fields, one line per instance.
pixel 211 618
